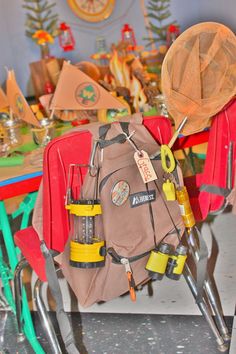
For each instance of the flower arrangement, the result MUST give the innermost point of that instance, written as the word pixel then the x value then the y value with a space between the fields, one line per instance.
pixel 42 37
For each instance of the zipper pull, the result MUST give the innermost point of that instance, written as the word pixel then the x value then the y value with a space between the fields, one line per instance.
pixel 130 277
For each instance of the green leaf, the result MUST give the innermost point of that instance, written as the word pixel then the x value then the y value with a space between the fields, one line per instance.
pixel 31 1
pixel 48 7
pixel 165 15
pixel 29 33
pixel 41 6
pixel 55 32
pixel 157 8
pixel 32 26
pixel 155 28
pixel 53 17
pixel 30 8
pixel 32 18
pixel 164 7
pixel 47 14
pixel 156 17
pixel 51 26
pixel 152 8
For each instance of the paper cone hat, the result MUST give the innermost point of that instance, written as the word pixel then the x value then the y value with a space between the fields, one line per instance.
pixel 3 99
pixel 17 101
pixel 77 91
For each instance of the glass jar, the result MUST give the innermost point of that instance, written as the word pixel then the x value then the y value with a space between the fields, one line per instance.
pixel 4 142
pixel 45 133
pixel 161 106
pixel 12 131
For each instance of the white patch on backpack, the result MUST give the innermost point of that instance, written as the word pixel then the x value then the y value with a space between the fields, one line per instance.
pixel 141 198
pixel 120 193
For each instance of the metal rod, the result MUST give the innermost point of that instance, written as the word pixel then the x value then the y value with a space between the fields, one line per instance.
pixel 228 180
pixel 222 346
pixel 18 297
pixel 44 317
pixel 217 310
pixel 210 292
pixel 230 165
pixel 173 139
pixel 176 133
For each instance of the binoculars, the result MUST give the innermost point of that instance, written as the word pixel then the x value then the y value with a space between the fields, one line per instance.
pixel 164 260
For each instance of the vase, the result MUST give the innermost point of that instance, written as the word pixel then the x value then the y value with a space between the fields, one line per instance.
pixel 45 52
pixel 45 133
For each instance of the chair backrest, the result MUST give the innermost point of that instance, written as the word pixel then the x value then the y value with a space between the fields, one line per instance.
pixel 74 148
pixel 213 185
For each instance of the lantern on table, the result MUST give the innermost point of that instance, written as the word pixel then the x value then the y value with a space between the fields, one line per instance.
pixel 66 38
pixel 127 35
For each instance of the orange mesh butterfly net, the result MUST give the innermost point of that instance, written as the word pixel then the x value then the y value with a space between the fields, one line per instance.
pixel 199 74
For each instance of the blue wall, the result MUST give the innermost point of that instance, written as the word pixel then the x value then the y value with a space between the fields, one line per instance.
pixel 223 11
pixel 17 51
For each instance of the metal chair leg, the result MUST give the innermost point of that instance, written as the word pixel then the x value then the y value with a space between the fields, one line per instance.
pixel 18 297
pixel 222 346
pixel 211 295
pixel 44 317
pixel 216 307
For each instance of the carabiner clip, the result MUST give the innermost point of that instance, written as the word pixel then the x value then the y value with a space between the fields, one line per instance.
pixel 167 153
pixel 92 167
pixel 129 139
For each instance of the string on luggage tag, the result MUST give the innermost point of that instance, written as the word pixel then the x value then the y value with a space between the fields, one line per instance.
pixel 142 160
pixel 132 143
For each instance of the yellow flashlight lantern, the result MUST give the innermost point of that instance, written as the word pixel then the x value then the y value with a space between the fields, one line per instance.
pixel 87 249
pixel 185 207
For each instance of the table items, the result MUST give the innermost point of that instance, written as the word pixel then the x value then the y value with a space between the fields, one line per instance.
pixel 45 133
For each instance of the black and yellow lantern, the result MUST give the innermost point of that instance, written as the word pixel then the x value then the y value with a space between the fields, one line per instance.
pixel 87 249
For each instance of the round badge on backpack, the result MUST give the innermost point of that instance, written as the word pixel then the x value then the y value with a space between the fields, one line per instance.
pixel 120 193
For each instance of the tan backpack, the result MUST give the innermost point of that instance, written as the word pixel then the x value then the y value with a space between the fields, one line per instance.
pixel 135 217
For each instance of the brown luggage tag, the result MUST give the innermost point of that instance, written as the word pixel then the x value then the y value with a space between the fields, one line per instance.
pixel 142 160
pixel 145 167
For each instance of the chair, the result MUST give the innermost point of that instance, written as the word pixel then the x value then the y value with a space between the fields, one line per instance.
pixel 59 155
pixel 208 191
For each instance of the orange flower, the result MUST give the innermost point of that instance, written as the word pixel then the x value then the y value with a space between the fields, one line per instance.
pixel 43 37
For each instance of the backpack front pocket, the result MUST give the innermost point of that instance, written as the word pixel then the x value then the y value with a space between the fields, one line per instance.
pixel 126 203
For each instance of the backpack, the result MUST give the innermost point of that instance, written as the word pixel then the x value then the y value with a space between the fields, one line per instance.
pixel 135 217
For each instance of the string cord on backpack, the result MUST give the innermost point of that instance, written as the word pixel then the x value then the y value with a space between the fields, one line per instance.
pixel 171 218
pixel 151 217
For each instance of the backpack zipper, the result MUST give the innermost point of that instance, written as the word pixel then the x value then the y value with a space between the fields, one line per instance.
pixel 118 259
pixel 130 278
